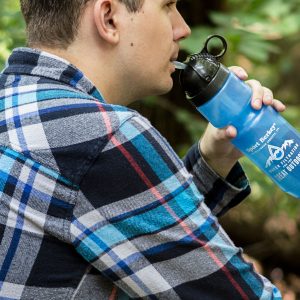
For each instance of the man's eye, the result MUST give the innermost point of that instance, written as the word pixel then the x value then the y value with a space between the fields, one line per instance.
pixel 171 4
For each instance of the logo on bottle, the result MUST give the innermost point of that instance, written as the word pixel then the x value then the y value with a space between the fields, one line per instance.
pixel 277 153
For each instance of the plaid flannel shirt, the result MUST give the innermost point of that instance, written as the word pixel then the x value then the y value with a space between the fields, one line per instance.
pixel 96 205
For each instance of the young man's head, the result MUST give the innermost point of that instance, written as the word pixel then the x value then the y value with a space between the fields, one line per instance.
pixel 55 23
pixel 126 47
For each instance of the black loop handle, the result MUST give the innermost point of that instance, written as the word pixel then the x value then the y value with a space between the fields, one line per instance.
pixel 224 43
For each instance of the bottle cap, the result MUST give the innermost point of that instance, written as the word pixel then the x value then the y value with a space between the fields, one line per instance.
pixel 204 75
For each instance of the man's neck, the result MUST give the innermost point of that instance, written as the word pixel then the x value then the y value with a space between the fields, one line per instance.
pixel 97 68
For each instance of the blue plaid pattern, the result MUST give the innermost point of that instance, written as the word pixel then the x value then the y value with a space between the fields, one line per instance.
pixel 95 204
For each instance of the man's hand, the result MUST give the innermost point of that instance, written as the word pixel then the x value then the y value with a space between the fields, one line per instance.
pixel 215 144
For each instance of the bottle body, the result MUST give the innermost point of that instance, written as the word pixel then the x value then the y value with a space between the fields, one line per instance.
pixel 265 137
pixel 274 146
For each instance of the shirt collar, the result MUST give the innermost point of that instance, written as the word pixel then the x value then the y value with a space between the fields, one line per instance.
pixel 28 61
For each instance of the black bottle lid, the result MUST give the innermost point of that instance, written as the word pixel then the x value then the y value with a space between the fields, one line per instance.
pixel 204 75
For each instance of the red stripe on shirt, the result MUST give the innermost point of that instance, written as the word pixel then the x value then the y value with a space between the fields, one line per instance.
pixel 156 193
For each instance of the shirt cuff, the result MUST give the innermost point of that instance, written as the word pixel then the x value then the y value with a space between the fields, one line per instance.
pixel 220 194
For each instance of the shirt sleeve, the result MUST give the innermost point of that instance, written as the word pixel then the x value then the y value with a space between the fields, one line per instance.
pixel 142 222
pixel 220 194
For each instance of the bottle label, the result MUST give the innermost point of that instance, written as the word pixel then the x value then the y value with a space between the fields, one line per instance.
pixel 283 160
pixel 277 151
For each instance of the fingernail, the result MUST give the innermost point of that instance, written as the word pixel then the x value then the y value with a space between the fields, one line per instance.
pixel 269 98
pixel 257 103
pixel 283 107
pixel 231 132
pixel 242 73
pixel 228 132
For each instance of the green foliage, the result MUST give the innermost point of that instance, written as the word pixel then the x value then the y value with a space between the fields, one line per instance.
pixel 252 23
pixel 262 37
pixel 12 33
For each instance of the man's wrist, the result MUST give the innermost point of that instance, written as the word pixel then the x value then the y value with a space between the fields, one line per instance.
pixel 222 166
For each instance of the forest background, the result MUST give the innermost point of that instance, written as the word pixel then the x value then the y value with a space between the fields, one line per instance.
pixel 263 37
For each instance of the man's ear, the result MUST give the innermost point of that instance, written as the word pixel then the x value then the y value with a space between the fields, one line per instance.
pixel 105 17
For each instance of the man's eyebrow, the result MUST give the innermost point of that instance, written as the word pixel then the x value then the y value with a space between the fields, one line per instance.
pixel 176 1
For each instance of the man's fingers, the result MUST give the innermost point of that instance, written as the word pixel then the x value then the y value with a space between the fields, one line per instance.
pixel 239 72
pixel 278 105
pixel 230 132
pixel 258 93
pixel 261 96
pixel 268 97
pixel 222 134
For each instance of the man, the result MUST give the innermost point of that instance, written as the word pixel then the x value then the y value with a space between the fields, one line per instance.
pixel 95 204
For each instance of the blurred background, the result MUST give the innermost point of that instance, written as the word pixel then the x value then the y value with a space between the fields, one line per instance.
pixel 263 37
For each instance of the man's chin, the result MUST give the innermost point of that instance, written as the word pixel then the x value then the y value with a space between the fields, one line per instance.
pixel 164 89
pixel 158 90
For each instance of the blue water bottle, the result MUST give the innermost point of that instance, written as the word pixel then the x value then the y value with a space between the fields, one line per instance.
pixel 263 136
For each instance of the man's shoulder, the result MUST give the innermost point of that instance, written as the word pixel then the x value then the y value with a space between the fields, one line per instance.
pixel 57 125
pixel 61 108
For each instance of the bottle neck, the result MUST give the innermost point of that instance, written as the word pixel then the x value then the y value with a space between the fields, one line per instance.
pixel 212 88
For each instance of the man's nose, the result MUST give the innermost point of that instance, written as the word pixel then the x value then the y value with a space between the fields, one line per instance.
pixel 181 29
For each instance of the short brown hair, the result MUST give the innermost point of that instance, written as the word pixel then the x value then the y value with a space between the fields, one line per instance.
pixel 54 23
